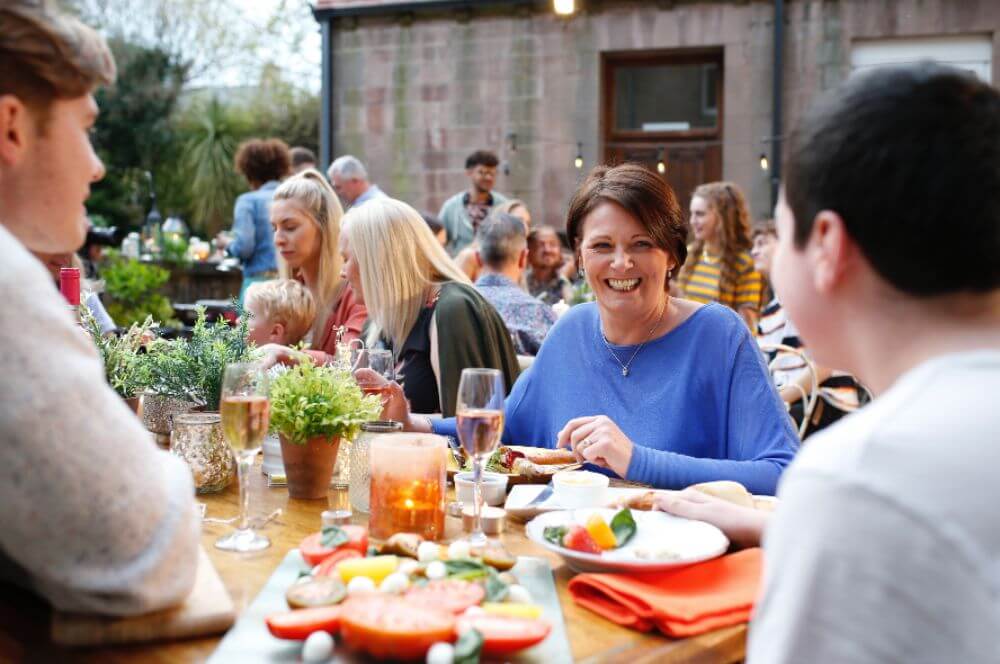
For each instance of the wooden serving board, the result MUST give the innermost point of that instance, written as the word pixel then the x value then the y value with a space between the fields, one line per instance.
pixel 249 640
pixel 207 610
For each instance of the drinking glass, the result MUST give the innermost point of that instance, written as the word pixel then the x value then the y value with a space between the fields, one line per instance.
pixel 480 416
pixel 378 360
pixel 245 412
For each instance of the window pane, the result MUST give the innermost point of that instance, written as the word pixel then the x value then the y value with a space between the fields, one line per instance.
pixel 666 97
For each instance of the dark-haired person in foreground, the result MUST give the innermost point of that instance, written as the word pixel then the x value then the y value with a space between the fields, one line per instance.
pixel 885 545
pixel 621 380
pixel 94 517
pixel 460 215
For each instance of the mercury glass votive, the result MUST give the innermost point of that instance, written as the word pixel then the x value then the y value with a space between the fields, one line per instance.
pixel 408 484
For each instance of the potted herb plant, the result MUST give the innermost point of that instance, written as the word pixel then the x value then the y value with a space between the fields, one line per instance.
pixel 124 367
pixel 312 409
pixel 190 371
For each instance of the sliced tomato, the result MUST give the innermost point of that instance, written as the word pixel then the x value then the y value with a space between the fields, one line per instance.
pixel 314 552
pixel 326 568
pixel 452 595
pixel 299 624
pixel 504 634
pixel 578 539
pixel 391 627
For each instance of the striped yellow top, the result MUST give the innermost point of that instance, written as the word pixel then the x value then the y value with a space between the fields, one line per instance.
pixel 704 284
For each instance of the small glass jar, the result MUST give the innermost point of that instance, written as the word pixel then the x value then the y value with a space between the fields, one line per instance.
pixel 197 438
pixel 408 485
pixel 360 470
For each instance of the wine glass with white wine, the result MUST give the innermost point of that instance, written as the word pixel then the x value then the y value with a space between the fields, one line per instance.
pixel 479 416
pixel 245 417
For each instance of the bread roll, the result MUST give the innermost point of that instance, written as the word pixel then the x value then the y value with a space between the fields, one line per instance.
pixel 734 492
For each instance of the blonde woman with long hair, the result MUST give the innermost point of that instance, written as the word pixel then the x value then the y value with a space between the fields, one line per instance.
pixel 719 267
pixel 305 216
pixel 420 305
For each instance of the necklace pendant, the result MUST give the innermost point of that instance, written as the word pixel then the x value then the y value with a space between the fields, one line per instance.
pixel 625 372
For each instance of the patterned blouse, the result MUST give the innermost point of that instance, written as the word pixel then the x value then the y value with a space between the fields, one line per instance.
pixel 527 318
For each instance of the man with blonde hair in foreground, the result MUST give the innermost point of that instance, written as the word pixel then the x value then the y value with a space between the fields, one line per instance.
pixel 95 519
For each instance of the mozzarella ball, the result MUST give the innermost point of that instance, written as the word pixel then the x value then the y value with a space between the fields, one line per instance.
pixel 441 653
pixel 519 594
pixel 394 583
pixel 458 550
pixel 318 647
pixel 436 570
pixel 427 551
pixel 360 584
pixel 408 566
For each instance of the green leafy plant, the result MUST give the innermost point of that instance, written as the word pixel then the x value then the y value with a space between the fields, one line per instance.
pixel 124 367
pixel 581 293
pixel 192 369
pixel 133 290
pixel 309 400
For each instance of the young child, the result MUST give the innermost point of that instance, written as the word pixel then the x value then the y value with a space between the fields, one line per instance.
pixel 884 545
pixel 281 312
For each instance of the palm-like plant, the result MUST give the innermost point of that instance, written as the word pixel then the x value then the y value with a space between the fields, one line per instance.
pixel 215 133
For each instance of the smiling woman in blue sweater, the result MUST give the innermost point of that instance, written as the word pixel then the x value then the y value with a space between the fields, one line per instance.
pixel 648 387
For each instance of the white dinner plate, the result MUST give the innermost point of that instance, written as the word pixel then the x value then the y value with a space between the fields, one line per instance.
pixel 685 540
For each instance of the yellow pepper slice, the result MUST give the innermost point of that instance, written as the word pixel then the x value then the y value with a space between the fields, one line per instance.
pixel 601 532
pixel 513 609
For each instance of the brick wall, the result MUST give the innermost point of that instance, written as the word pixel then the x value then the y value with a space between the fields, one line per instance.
pixel 412 98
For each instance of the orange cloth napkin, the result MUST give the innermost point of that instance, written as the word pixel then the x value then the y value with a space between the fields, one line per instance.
pixel 680 603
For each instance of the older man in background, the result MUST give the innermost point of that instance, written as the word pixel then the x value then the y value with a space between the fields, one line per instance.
pixel 350 180
pixel 502 256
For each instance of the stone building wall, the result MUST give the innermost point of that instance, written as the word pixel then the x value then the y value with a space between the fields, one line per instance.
pixel 413 95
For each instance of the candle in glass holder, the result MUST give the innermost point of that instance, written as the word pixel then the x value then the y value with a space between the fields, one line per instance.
pixel 408 474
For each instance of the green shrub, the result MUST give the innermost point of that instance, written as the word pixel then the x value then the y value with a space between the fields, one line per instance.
pixel 132 289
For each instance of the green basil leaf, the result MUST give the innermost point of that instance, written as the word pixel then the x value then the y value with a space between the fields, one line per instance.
pixel 466 569
pixel 468 647
pixel 623 526
pixel 332 537
pixel 555 534
pixel 496 590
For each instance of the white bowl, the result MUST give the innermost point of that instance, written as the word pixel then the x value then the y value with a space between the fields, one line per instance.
pixel 494 488
pixel 573 489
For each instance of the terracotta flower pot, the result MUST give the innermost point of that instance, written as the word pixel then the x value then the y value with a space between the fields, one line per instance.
pixel 309 467
pixel 133 403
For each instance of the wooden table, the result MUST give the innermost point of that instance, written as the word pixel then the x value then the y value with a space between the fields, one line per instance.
pixel 24 619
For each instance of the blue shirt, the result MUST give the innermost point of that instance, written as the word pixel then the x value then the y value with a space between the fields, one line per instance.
pixel 698 402
pixel 371 193
pixel 527 318
pixel 254 239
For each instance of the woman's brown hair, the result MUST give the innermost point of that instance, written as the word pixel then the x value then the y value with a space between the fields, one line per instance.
pixel 727 201
pixel 261 161
pixel 642 194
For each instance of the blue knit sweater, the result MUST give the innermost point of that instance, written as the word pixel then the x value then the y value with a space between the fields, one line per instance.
pixel 698 402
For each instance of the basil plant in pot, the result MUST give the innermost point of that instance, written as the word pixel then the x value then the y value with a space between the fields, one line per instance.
pixel 313 408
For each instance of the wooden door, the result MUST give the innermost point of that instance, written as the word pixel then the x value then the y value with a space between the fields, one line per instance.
pixel 687 166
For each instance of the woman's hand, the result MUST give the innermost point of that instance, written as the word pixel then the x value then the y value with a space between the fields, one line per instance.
pixel 395 407
pixel 598 440
pixel 744 526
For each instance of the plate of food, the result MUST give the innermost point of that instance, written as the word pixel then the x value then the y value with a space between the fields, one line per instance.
pixel 625 540
pixel 521 463
pixel 337 599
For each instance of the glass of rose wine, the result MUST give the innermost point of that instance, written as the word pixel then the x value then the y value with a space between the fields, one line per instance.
pixel 245 418
pixel 479 411
pixel 378 360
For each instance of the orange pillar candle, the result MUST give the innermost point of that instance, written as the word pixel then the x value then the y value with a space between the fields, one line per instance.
pixel 408 485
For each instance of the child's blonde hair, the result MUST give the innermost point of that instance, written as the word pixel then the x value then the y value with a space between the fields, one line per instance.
pixel 284 301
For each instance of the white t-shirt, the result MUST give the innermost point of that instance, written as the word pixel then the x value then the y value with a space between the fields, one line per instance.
pixel 886 543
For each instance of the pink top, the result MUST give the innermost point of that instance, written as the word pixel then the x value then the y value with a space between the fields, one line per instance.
pixel 347 313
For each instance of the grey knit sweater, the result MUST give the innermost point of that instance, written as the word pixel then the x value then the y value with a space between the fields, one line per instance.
pixel 94 516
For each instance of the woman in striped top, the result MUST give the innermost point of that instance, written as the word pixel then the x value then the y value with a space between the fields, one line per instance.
pixel 719 267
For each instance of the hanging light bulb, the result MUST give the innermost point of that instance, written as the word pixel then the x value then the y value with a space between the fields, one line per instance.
pixel 564 7
pixel 763 162
pixel 661 164
pixel 578 162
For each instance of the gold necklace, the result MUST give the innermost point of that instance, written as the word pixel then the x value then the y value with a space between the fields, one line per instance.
pixel 625 365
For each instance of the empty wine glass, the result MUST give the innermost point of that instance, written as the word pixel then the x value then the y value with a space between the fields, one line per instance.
pixel 245 412
pixel 480 416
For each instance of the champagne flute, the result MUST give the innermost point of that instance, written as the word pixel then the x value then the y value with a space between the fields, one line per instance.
pixel 245 417
pixel 480 418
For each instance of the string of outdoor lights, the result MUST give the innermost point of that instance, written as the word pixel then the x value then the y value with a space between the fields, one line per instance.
pixel 661 153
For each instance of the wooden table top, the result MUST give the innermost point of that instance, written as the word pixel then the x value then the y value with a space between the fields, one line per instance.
pixel 24 620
